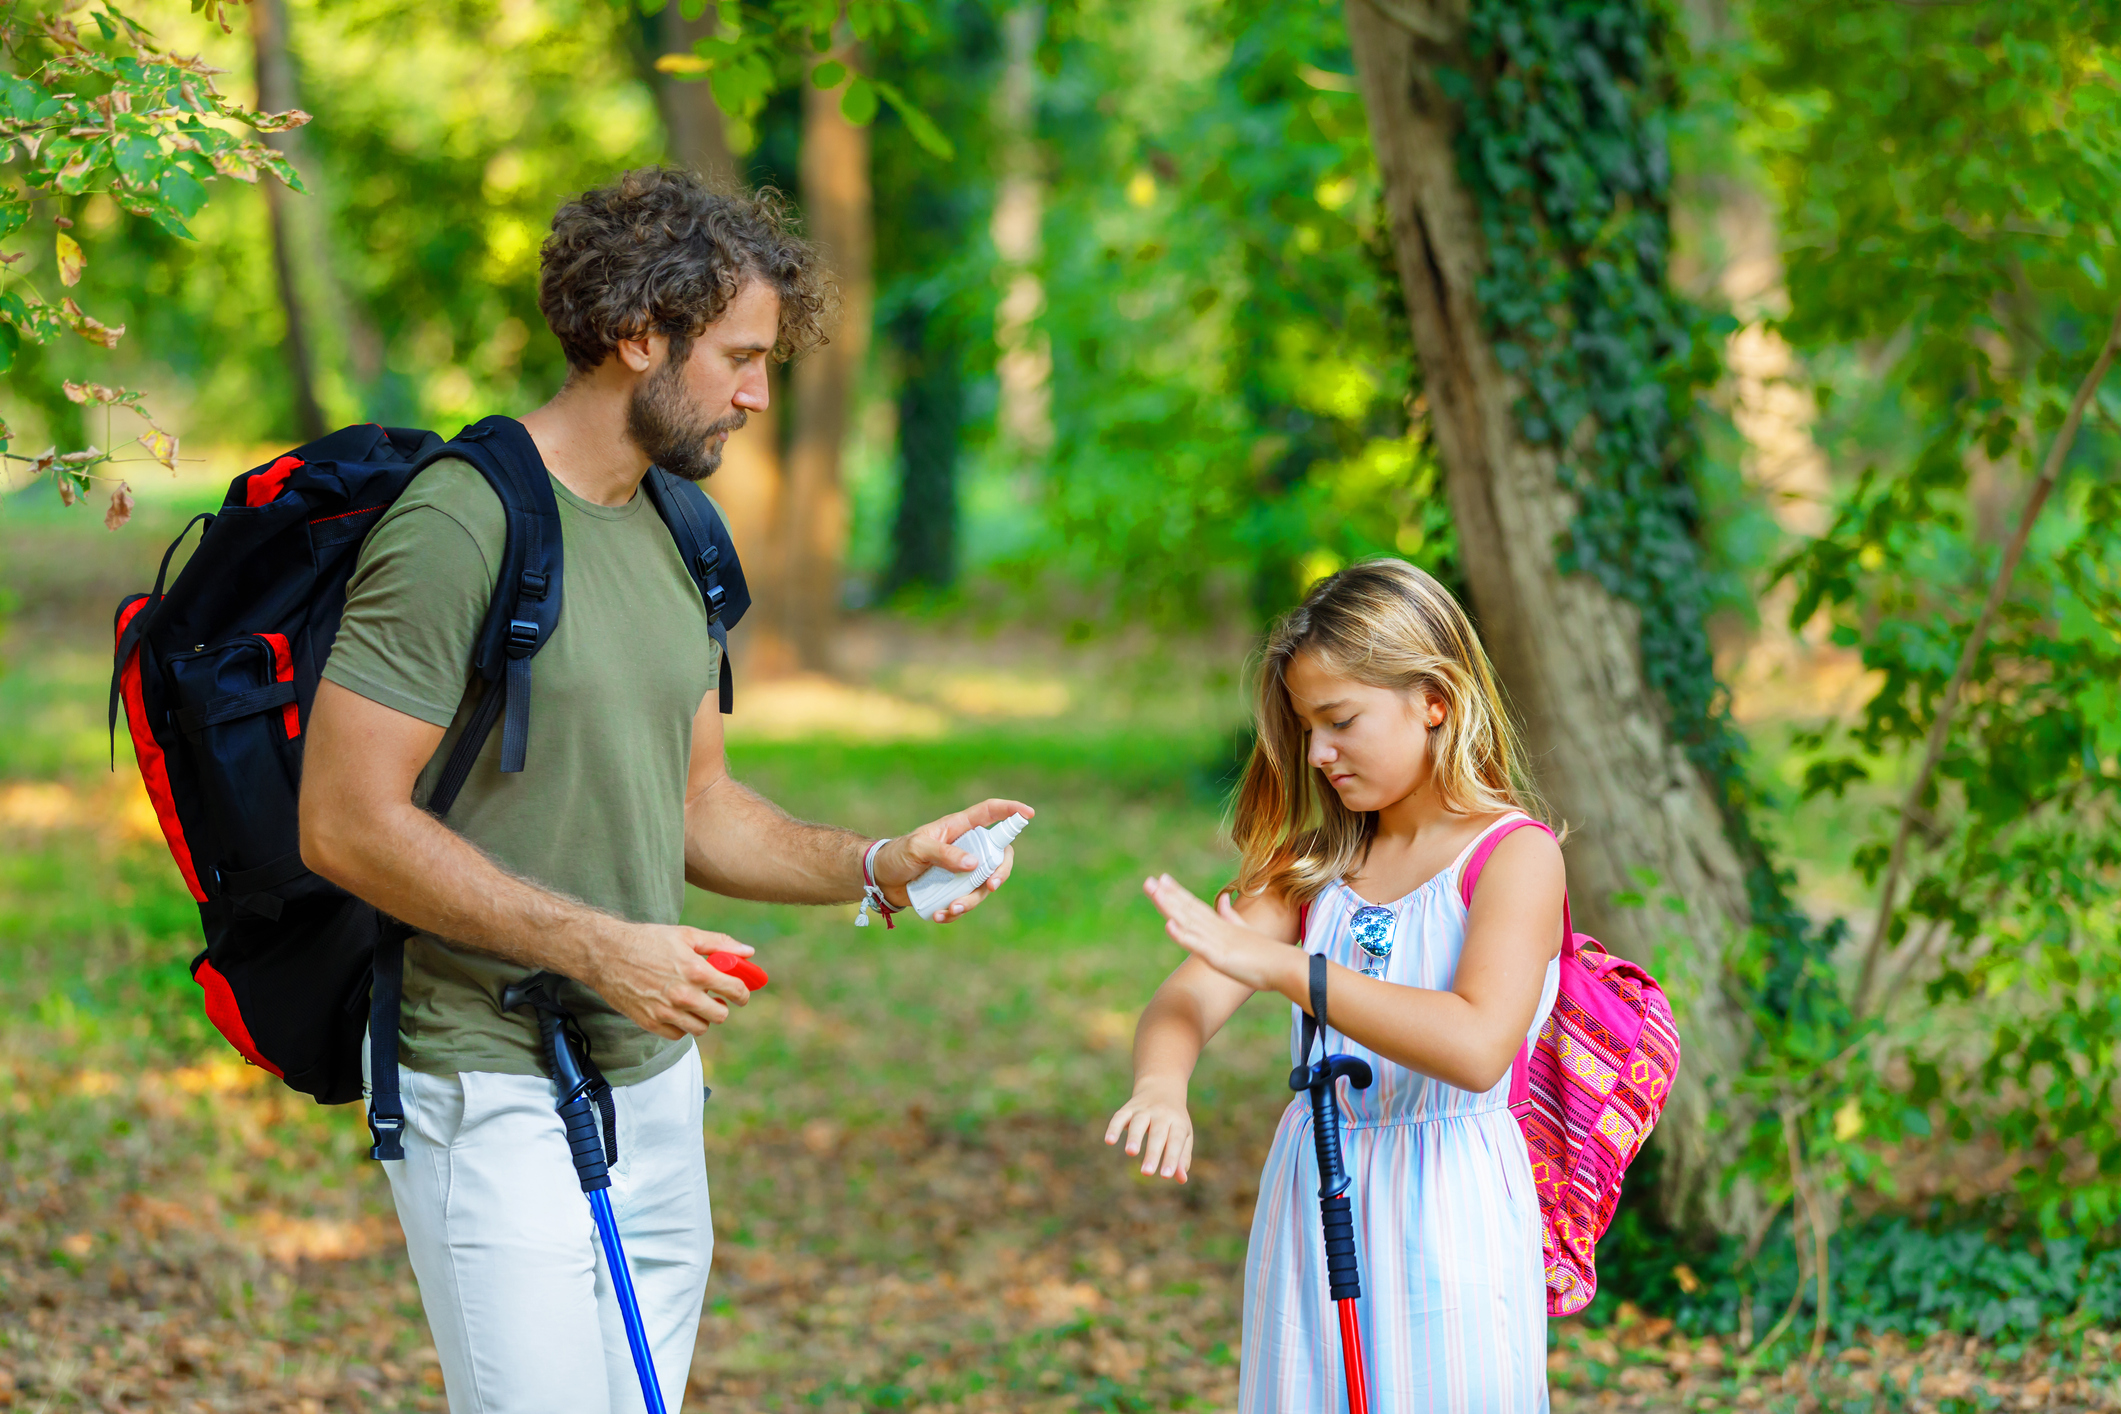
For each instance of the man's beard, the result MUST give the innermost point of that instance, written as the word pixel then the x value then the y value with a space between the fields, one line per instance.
pixel 671 429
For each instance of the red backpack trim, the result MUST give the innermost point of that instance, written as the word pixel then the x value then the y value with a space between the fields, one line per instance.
pixel 264 487
pixel 227 1017
pixel 154 770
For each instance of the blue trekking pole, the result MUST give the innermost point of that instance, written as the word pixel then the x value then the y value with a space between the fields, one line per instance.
pixel 581 1088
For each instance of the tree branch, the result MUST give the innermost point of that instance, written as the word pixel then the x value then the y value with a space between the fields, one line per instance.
pixel 1947 708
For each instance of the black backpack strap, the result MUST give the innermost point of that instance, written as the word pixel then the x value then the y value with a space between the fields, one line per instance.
pixel 520 619
pixel 386 1107
pixel 525 608
pixel 710 558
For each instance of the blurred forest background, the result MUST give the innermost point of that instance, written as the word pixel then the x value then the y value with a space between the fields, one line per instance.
pixel 1740 364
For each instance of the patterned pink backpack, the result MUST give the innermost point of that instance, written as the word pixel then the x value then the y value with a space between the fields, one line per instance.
pixel 1587 1093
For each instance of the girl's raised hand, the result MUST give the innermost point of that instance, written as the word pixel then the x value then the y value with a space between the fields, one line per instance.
pixel 1220 938
pixel 1158 1128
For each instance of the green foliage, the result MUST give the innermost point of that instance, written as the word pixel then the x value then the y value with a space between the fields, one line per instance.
pixel 938 279
pixel 1946 1273
pixel 1949 180
pixel 105 112
pixel 1232 384
pixel 749 56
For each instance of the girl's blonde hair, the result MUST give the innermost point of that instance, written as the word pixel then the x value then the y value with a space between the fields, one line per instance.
pixel 1384 623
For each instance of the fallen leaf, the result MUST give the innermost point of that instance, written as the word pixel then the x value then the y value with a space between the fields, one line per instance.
pixel 71 261
pixel 82 457
pixel 121 507
pixel 67 495
pixel 45 459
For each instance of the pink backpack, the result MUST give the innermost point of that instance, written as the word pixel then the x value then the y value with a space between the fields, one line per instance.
pixel 1587 1093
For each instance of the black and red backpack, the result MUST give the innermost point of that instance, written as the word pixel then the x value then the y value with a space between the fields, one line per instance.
pixel 216 674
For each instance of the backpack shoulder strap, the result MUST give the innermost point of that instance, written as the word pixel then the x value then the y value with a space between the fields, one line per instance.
pixel 1520 1068
pixel 525 608
pixel 710 558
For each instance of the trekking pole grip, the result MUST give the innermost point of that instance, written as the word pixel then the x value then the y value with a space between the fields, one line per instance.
pixel 585 1145
pixel 577 1114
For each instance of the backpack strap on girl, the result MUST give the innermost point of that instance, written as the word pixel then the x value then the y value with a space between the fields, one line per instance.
pixel 1520 1073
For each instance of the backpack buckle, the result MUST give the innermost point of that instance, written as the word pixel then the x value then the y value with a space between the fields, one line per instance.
pixel 715 595
pixel 522 638
pixel 709 559
pixel 534 585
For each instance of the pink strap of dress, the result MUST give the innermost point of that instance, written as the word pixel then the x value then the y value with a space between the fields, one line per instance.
pixel 1520 1074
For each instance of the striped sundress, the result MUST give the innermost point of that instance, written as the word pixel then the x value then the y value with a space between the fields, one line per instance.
pixel 1453 1304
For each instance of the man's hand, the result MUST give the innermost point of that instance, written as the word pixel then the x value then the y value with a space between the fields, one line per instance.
pixel 658 977
pixel 909 856
pixel 1221 938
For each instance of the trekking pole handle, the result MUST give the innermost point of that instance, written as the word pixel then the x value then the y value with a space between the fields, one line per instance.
pixel 577 1114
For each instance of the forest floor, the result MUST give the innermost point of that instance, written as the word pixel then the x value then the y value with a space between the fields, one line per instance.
pixel 913 1208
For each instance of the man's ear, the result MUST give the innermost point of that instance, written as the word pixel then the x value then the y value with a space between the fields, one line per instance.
pixel 639 355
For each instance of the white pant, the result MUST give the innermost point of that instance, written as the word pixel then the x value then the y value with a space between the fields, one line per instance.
pixel 518 1297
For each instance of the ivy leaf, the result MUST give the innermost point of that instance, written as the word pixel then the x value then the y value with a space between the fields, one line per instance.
pixel 858 103
pixel 71 261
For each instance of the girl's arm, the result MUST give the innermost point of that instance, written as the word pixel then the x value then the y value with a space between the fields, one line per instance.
pixel 1193 1003
pixel 1466 1036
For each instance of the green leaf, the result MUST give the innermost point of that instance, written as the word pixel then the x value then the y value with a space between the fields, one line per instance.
pixel 182 192
pixel 13 216
pixel 169 221
pixel 919 126
pixel 858 103
pixel 828 74
pixel 10 342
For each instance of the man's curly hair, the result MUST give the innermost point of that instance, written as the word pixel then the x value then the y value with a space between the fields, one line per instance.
pixel 659 250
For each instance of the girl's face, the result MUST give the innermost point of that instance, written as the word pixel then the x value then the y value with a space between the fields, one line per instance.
pixel 1372 743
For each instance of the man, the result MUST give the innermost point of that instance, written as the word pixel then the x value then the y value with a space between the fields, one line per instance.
pixel 668 299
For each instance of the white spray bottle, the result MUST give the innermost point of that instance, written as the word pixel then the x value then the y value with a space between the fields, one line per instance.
pixel 937 889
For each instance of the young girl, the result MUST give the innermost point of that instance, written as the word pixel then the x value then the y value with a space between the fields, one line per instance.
pixel 1384 756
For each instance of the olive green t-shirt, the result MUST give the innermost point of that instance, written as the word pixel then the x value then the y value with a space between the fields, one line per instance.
pixel 598 811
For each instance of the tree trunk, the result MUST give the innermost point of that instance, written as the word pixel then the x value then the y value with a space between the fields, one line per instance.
pixel 1566 648
pixel 748 485
pixel 275 75
pixel 931 414
pixel 813 519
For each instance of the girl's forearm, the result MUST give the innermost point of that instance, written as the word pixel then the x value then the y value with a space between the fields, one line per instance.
pixel 1440 1034
pixel 1168 1042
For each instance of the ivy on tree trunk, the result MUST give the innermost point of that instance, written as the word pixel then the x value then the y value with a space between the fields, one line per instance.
pixel 1527 180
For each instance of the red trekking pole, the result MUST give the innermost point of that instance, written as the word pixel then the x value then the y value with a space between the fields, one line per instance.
pixel 1344 1281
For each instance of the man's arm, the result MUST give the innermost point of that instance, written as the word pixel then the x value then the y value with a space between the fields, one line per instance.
pixel 361 830
pixel 741 845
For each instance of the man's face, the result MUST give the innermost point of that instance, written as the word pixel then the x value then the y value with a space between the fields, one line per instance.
pixel 681 414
